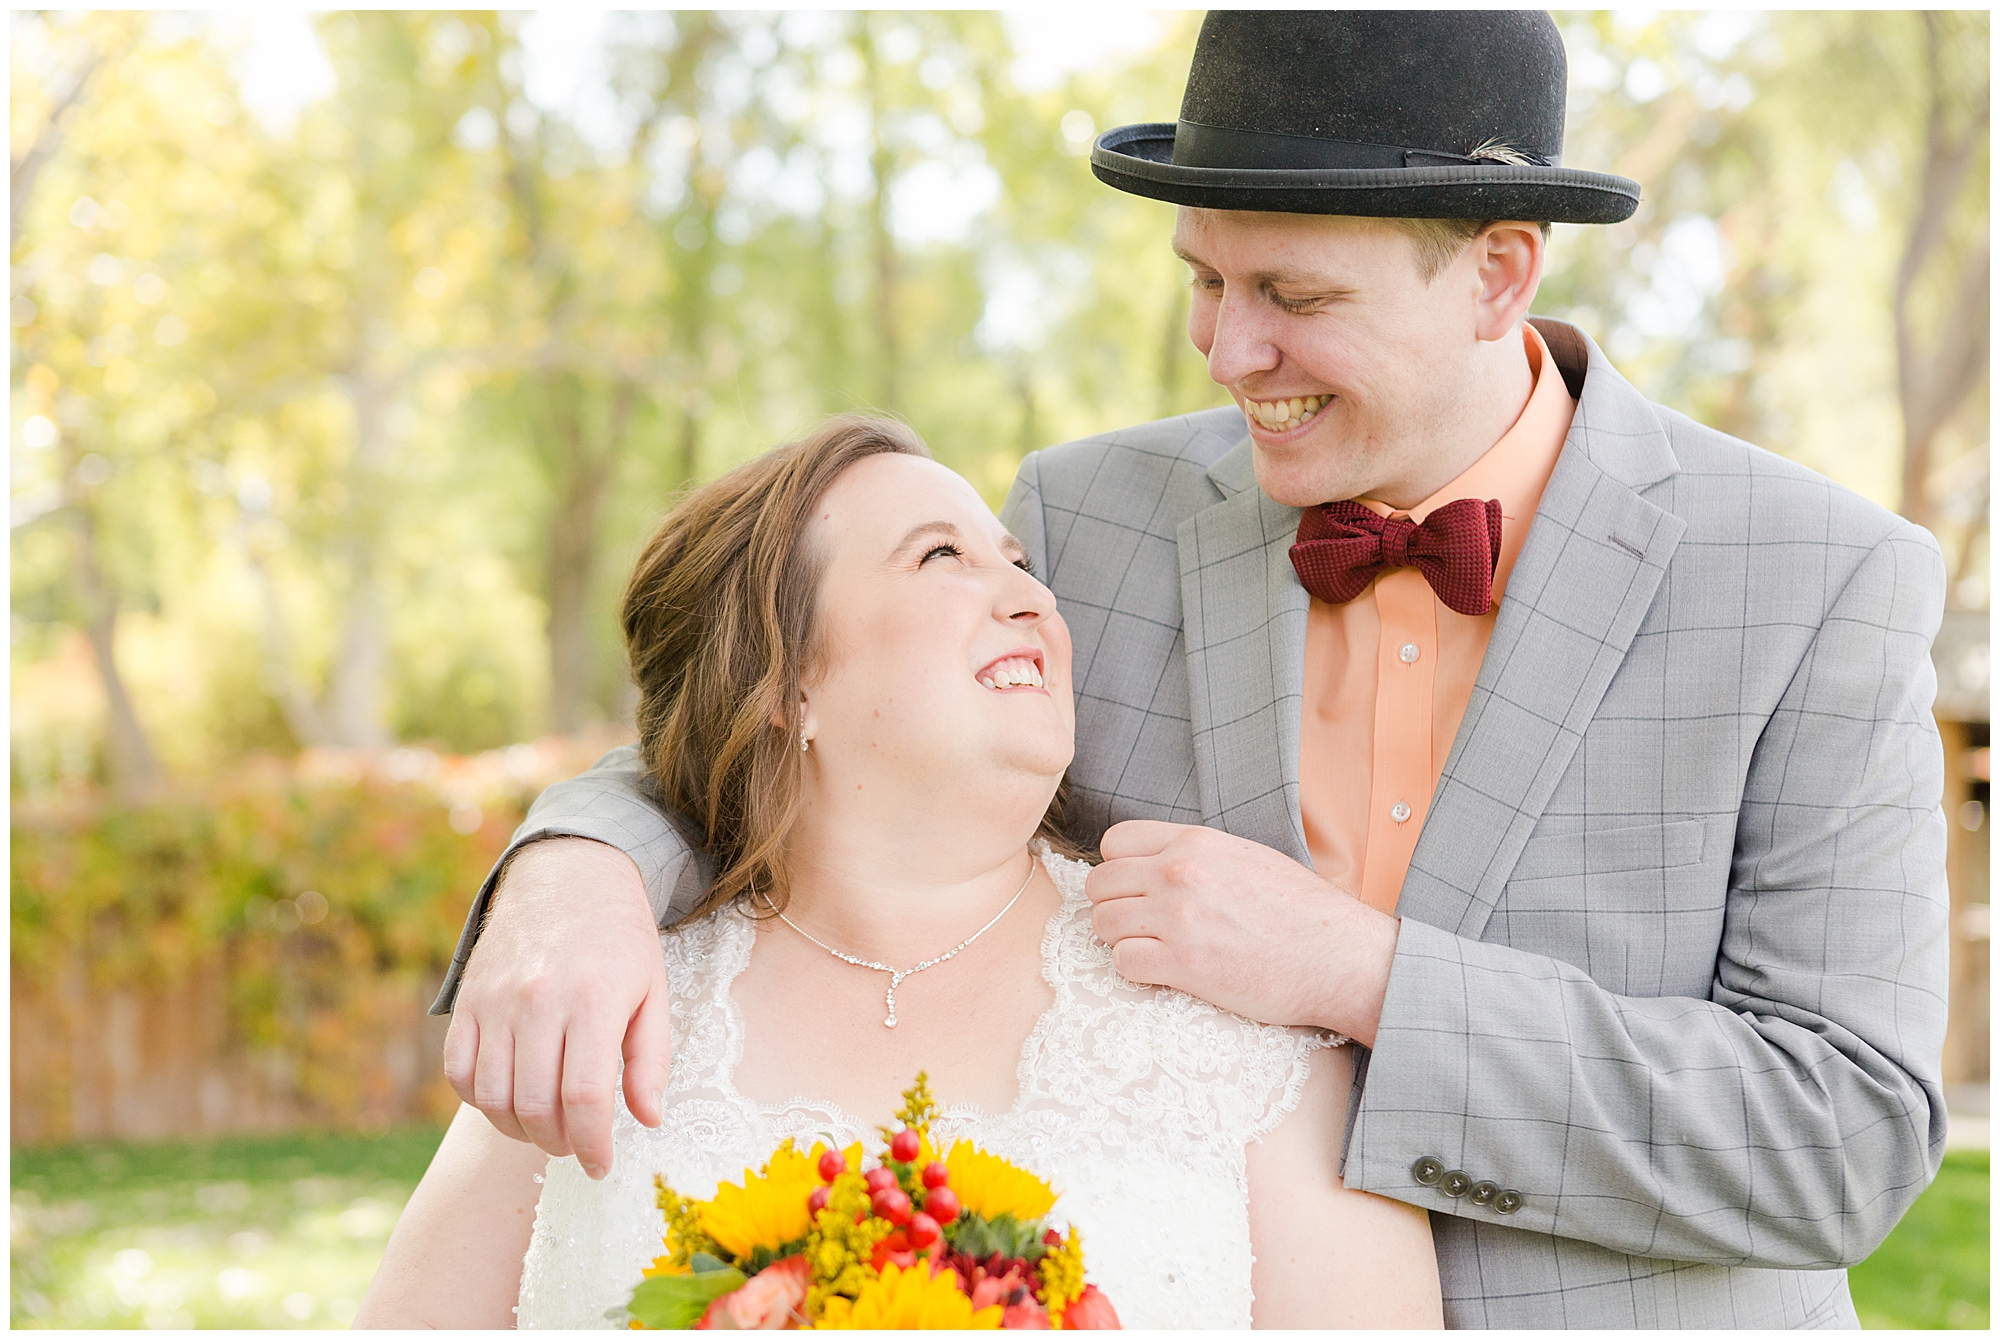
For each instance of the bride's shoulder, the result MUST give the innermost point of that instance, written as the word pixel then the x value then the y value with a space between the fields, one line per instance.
pixel 701 947
pixel 1067 872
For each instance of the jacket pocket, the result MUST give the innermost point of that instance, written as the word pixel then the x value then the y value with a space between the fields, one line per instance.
pixel 1605 851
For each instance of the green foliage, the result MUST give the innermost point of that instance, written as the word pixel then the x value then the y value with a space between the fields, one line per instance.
pixel 979 1237
pixel 315 904
pixel 676 1302
pixel 1932 1273
pixel 152 891
pixel 362 418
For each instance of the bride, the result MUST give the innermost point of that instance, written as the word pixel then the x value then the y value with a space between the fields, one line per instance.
pixel 847 670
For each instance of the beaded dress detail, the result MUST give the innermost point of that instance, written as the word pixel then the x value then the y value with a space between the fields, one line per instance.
pixel 1135 1102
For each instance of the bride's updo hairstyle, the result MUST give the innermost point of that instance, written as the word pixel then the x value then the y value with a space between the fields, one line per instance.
pixel 721 631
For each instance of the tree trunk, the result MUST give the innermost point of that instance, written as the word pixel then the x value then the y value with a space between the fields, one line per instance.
pixel 882 163
pixel 574 529
pixel 301 713
pixel 354 707
pixel 129 760
pixel 1932 383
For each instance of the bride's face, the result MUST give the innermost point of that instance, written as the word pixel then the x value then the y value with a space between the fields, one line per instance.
pixel 946 669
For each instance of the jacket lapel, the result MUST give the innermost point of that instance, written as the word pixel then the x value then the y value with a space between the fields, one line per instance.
pixel 1244 616
pixel 1595 555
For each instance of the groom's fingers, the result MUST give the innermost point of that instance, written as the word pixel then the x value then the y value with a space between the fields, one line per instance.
pixel 1138 837
pixel 461 1055
pixel 1119 919
pixel 589 1078
pixel 1122 877
pixel 538 1050
pixel 648 1053
pixel 1139 959
pixel 493 1081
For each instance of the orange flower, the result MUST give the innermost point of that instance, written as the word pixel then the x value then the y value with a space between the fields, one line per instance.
pixel 1091 1312
pixel 766 1303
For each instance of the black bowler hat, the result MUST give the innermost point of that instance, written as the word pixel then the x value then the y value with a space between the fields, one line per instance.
pixel 1395 114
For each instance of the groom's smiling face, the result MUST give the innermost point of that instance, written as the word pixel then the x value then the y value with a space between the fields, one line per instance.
pixel 1353 369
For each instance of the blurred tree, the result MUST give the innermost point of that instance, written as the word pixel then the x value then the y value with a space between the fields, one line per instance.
pixel 1809 266
pixel 1949 238
pixel 57 360
pixel 336 431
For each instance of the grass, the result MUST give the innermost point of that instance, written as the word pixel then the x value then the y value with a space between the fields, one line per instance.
pixel 251 1232
pixel 286 1232
pixel 1932 1272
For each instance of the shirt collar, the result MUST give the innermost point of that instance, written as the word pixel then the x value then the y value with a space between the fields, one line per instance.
pixel 1516 468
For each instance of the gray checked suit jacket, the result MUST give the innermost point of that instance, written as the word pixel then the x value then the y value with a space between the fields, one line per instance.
pixel 1672 958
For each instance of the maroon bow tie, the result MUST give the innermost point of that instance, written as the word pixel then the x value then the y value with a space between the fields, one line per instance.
pixel 1343 546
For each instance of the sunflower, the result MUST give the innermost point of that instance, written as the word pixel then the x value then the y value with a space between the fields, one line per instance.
pixel 769 1209
pixel 909 1300
pixel 990 1186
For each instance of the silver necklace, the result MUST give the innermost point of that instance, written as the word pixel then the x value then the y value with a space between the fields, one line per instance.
pixel 896 975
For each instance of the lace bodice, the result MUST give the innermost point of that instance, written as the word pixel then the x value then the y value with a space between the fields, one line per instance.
pixel 1135 1102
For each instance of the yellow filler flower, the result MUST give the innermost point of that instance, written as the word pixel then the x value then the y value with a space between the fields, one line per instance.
pixel 909 1300
pixel 991 1186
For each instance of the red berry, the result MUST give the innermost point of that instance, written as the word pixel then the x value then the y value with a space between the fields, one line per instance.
pixel 924 1231
pixel 942 1204
pixel 905 1145
pixel 893 1204
pixel 936 1175
pixel 831 1165
pixel 880 1179
pixel 817 1200
pixel 1051 1237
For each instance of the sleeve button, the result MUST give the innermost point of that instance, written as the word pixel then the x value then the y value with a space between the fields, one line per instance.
pixel 1507 1201
pixel 1427 1170
pixel 1482 1193
pixel 1455 1183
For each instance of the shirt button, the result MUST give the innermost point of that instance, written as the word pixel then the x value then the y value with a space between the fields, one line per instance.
pixel 1409 653
pixel 1399 812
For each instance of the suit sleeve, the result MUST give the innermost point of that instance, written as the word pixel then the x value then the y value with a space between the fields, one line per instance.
pixel 607 804
pixel 1791 1117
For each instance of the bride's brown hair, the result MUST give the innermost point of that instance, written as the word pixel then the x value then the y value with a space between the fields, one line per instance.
pixel 721 631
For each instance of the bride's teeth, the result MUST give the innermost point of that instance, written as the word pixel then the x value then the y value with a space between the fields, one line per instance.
pixel 1013 674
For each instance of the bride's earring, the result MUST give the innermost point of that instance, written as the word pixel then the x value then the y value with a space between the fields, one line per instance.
pixel 805 745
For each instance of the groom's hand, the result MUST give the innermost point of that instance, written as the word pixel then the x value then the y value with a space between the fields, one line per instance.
pixel 566 974
pixel 1240 926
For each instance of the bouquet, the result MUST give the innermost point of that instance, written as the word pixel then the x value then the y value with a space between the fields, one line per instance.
pixel 919 1242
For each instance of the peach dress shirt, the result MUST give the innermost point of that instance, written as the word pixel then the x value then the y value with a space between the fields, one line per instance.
pixel 1388 675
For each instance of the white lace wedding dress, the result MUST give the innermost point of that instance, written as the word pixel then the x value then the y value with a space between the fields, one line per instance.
pixel 1135 1103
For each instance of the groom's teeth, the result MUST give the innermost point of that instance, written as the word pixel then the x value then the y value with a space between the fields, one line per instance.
pixel 1284 415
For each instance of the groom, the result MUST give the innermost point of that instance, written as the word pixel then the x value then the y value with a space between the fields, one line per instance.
pixel 1574 757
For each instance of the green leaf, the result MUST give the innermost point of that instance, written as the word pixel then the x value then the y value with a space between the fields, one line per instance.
pixel 676 1302
pixel 703 1262
pixel 979 1237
